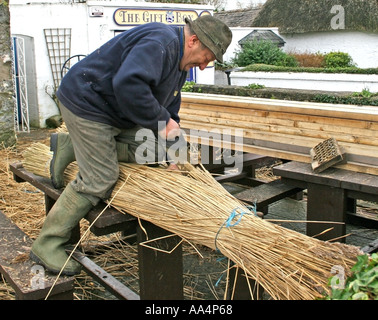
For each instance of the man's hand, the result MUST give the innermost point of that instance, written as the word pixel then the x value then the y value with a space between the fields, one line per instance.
pixel 171 130
pixel 170 133
pixel 173 166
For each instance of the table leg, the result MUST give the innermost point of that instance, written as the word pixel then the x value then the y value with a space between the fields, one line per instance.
pixel 160 271
pixel 241 288
pixel 326 203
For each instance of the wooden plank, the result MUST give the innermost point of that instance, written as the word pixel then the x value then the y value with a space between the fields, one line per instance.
pixel 29 280
pixel 111 219
pixel 267 193
pixel 321 109
pixel 281 118
pixel 333 177
pixel 282 142
pixel 274 153
pixel 248 160
pixel 294 138
pixel 299 125
pixel 249 148
pixel 321 133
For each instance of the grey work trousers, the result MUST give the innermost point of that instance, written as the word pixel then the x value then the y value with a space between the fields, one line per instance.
pixel 95 146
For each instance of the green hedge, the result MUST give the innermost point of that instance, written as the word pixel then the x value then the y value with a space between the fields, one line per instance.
pixel 255 90
pixel 352 99
pixel 271 68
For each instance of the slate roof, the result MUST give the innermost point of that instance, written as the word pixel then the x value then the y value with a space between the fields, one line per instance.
pixel 238 18
pixel 264 35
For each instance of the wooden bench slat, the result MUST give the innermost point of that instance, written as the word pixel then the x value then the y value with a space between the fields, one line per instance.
pixel 248 160
pixel 17 268
pixel 111 219
pixel 267 193
pixel 339 178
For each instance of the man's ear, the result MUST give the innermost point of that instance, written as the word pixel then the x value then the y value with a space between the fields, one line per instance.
pixel 192 41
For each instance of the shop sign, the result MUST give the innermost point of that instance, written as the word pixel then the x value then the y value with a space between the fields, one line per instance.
pixel 134 17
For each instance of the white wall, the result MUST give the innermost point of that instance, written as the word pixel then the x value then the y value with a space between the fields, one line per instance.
pixel 88 32
pixel 362 47
pixel 339 82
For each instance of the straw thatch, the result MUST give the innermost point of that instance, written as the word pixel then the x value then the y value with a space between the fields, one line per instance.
pixel 301 16
pixel 238 18
pixel 191 204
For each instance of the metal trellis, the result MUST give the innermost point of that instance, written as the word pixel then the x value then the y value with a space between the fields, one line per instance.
pixel 58 42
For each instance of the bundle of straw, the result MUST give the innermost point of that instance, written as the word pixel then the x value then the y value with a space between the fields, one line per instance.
pixel 191 204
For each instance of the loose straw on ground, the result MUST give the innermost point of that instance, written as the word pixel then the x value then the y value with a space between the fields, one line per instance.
pixel 287 264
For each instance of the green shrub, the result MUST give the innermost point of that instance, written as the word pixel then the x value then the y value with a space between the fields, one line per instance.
pixel 287 60
pixel 188 86
pixel 338 60
pixel 365 98
pixel 255 86
pixel 262 52
pixel 362 284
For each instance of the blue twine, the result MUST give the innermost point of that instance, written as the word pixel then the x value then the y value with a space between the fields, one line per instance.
pixel 236 213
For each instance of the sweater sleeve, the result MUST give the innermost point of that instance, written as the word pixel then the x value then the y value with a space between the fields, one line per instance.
pixel 138 75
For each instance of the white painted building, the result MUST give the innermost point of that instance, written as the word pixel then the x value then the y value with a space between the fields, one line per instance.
pixel 361 46
pixel 47 33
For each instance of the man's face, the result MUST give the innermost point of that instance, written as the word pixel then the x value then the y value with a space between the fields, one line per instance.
pixel 196 55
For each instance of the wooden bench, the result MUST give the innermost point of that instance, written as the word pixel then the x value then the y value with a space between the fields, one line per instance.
pixel 331 196
pixel 156 280
pixel 28 280
pixel 265 194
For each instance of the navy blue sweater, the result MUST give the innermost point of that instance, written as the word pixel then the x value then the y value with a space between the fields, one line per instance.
pixel 133 79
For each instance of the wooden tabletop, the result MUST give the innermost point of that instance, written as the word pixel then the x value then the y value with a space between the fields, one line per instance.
pixel 333 177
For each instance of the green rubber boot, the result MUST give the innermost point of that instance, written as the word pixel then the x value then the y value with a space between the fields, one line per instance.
pixel 63 155
pixel 48 249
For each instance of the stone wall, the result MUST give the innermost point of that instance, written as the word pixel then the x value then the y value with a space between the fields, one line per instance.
pixel 7 134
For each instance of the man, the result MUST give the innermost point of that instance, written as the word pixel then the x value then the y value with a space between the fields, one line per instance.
pixel 130 84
